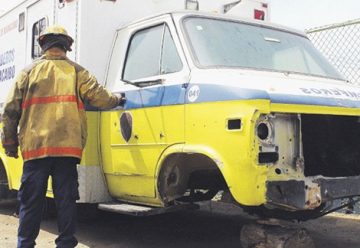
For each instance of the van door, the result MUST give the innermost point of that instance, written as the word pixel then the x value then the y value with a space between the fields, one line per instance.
pixel 153 77
pixel 39 16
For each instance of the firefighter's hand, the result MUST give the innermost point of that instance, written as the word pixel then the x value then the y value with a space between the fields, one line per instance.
pixel 12 152
pixel 122 99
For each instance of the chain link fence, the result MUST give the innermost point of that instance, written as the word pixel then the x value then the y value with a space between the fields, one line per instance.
pixel 340 44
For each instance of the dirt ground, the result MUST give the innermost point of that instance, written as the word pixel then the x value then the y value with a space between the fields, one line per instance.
pixel 209 227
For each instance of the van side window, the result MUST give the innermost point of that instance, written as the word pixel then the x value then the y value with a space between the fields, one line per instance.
pixel 151 52
pixel 170 60
pixel 143 56
pixel 37 28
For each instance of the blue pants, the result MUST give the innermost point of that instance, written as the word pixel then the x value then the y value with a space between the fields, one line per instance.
pixel 32 197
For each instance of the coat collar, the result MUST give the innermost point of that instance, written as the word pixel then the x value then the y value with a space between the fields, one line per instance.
pixel 54 53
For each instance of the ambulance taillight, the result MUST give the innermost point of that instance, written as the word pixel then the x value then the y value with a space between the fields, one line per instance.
pixel 259 14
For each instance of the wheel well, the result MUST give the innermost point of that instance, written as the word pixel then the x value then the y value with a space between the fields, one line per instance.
pixel 189 177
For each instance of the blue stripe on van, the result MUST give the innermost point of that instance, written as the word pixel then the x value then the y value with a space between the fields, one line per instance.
pixel 312 100
pixel 216 93
pixel 176 94
pixel 152 97
pixel 155 96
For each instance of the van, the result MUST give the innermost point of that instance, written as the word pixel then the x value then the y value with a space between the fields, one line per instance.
pixel 218 107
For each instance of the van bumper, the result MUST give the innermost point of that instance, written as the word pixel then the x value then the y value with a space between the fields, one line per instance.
pixel 311 192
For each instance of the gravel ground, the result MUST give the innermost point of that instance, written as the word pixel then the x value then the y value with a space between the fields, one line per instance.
pixel 219 227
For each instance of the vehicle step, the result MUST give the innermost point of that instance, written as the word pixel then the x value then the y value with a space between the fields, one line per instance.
pixel 137 210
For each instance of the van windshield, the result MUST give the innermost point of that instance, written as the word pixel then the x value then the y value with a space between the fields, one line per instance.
pixel 224 43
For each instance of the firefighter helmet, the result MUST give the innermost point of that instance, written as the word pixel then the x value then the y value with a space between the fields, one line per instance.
pixel 55 31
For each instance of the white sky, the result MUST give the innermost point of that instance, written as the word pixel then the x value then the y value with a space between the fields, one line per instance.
pixel 300 14
pixel 305 14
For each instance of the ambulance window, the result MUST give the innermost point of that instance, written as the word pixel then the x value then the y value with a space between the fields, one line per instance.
pixel 21 22
pixel 170 60
pixel 37 28
pixel 143 57
pixel 151 52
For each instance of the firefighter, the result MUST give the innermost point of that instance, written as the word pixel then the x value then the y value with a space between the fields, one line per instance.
pixel 45 115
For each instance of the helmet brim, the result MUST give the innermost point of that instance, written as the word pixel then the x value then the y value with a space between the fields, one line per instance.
pixel 42 38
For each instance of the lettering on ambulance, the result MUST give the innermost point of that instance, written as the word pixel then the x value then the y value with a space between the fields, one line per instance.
pixel 7 65
pixel 10 27
pixel 331 92
pixel 7 58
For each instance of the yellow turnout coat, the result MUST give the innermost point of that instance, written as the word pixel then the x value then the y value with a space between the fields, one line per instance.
pixel 47 104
